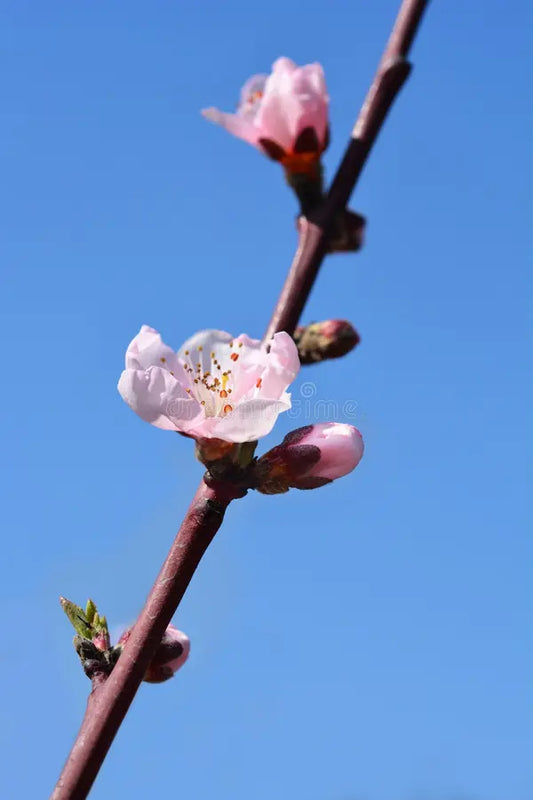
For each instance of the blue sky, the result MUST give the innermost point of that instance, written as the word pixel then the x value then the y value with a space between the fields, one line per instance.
pixel 367 641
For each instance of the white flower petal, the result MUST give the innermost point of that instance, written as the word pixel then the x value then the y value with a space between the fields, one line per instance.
pixel 157 397
pixel 251 419
pixel 237 124
pixel 148 350
pixel 251 97
pixel 282 366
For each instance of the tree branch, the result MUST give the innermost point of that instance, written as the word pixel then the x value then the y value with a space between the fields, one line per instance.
pixel 111 698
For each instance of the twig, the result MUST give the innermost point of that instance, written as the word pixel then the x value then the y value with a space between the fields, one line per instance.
pixel 111 698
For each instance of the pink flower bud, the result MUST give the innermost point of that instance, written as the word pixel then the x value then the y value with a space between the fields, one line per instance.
pixel 348 233
pixel 171 654
pixel 323 340
pixel 101 641
pixel 310 457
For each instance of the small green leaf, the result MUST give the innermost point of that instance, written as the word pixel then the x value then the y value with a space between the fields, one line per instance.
pixel 244 454
pixel 77 617
pixel 90 611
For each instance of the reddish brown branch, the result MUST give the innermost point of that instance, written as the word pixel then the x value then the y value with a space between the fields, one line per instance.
pixel 109 700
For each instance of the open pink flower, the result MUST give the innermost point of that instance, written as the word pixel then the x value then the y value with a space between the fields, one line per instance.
pixel 215 386
pixel 284 114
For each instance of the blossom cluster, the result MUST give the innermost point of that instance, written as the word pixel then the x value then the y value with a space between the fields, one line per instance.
pixel 232 389
pixel 227 389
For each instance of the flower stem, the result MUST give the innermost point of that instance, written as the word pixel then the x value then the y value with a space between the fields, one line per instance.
pixel 309 189
pixel 111 697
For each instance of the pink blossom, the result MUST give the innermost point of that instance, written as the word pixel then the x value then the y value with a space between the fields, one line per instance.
pixel 310 457
pixel 215 386
pixel 284 114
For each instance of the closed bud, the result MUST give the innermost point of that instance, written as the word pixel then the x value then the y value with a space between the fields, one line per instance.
pixel 171 654
pixel 310 457
pixel 347 234
pixel 323 340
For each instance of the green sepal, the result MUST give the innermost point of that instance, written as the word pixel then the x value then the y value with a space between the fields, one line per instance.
pixel 244 454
